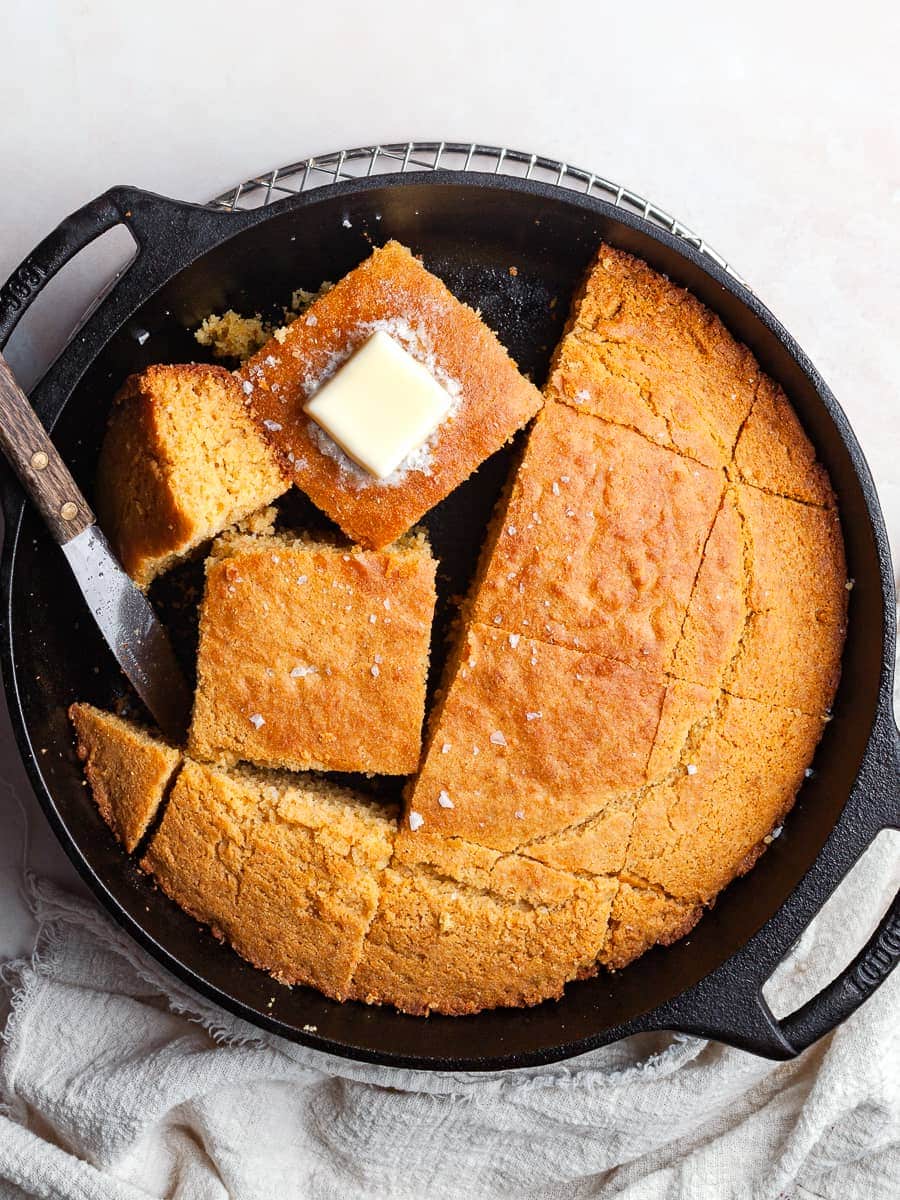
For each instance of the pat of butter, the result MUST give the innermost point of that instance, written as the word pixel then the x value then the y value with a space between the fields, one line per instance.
pixel 380 406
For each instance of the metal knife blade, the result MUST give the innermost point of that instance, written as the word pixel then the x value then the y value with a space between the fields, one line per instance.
pixel 134 633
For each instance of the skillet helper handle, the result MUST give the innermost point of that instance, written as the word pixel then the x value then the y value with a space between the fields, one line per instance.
pixel 68 239
pixel 34 458
pixel 840 999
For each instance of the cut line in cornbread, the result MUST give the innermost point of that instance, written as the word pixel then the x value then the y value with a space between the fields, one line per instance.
pixel 393 293
pixel 768 613
pixel 599 542
pixel 530 738
pixel 181 461
pixel 646 354
pixel 128 769
pixel 314 655
pixel 284 867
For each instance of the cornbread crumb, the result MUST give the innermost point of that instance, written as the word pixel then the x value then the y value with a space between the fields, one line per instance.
pixel 229 335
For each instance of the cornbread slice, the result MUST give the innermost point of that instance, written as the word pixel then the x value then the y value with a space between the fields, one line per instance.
pixel 128 770
pixel 644 353
pixel 286 871
pixel 768 614
pixel 478 932
pixel 600 540
pixel 599 844
pixel 642 917
pixel 737 774
pixel 181 461
pixel 393 292
pixel 531 738
pixel 314 656
pixel 775 454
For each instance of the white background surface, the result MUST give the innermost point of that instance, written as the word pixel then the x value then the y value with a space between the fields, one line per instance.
pixel 773 129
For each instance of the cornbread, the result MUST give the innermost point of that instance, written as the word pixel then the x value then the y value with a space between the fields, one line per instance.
pixel 600 540
pixel 444 941
pixel 285 868
pixel 314 656
pixel 128 770
pixel 738 772
pixel 769 610
pixel 392 292
pixel 637 683
pixel 646 354
pixel 531 738
pixel 181 461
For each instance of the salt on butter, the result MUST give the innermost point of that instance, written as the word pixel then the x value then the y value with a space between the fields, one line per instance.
pixel 380 406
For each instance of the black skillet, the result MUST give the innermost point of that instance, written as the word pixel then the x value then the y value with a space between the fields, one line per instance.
pixel 471 229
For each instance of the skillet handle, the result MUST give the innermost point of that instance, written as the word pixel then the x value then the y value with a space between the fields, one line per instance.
pixel 59 247
pixel 871 966
pixel 167 234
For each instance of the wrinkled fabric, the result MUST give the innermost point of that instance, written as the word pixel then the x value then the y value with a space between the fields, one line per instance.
pixel 116 1081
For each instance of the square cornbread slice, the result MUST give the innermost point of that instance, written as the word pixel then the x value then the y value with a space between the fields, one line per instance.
pixel 737 773
pixel 392 292
pixel 128 769
pixel 530 738
pixel 768 613
pixel 285 868
pixel 599 542
pixel 181 461
pixel 313 655
pixel 774 453
pixel 645 353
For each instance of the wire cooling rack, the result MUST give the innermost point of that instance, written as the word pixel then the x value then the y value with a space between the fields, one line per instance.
pixel 403 157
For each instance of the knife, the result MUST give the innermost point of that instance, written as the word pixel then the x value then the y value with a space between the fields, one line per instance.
pixel 123 613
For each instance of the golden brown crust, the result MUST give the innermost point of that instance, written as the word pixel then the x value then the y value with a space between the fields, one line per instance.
pixel 181 460
pixel 643 917
pixel 600 541
pixel 737 774
pixel 790 648
pixel 444 945
pixel 775 454
pixel 390 286
pixel 128 770
pixel 287 874
pixel 314 656
pixel 642 352
pixel 519 750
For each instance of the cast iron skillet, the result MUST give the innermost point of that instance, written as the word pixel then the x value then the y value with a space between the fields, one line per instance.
pixel 471 229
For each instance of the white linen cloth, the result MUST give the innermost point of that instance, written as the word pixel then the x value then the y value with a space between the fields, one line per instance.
pixel 116 1081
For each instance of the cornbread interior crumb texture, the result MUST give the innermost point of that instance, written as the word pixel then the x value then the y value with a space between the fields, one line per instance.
pixel 181 461
pixel 640 677
pixel 314 656
pixel 390 290
pixel 128 770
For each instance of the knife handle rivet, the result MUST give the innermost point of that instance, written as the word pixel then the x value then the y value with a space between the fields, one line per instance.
pixel 39 460
pixel 69 511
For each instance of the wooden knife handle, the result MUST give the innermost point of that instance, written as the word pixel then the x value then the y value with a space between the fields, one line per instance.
pixel 33 457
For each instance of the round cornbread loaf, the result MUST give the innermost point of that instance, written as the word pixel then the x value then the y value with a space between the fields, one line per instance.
pixel 642 672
